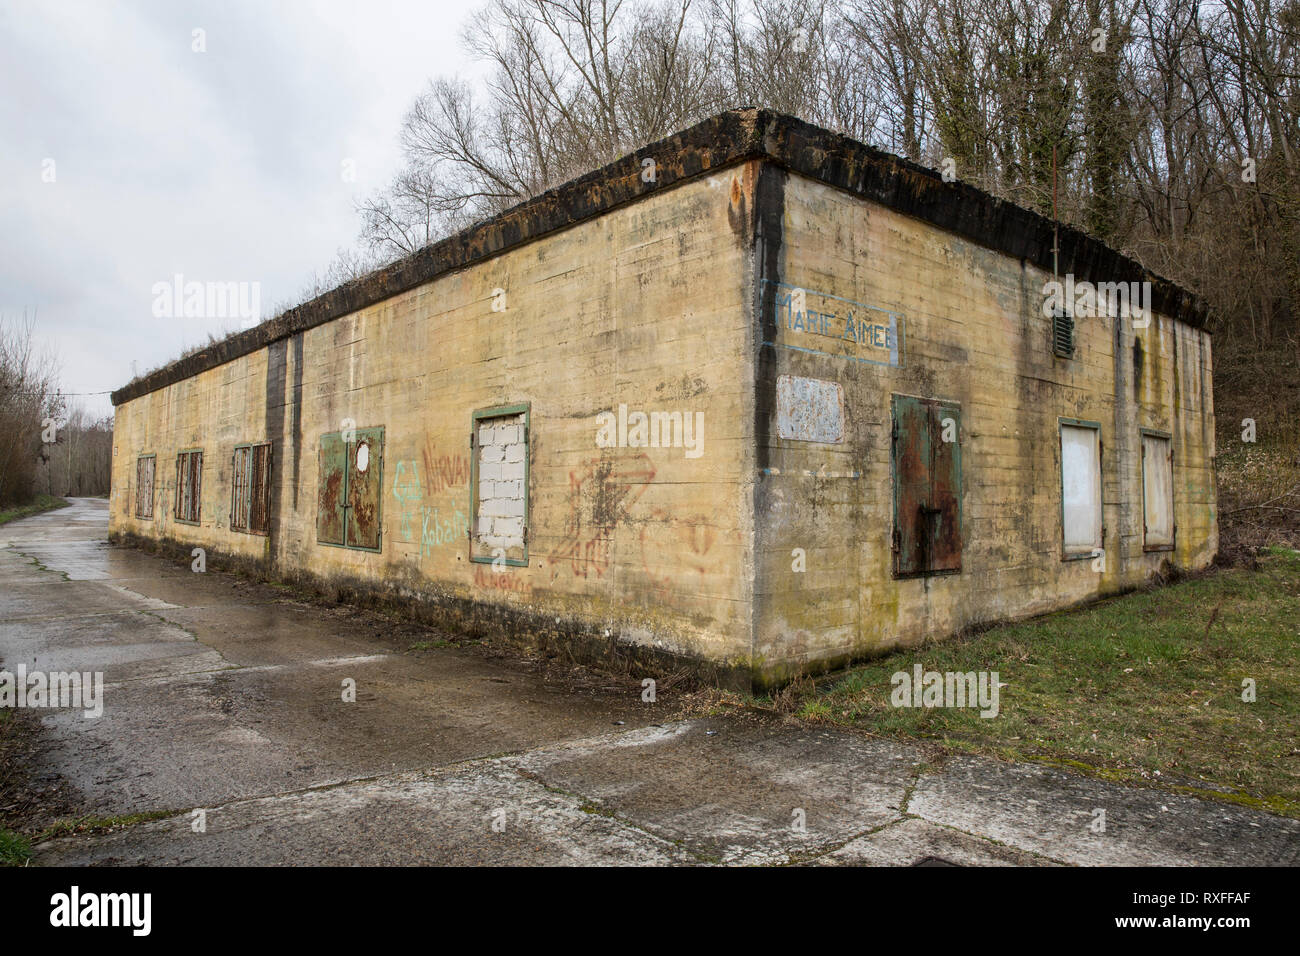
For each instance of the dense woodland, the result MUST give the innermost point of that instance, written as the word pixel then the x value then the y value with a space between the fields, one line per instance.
pixel 1174 124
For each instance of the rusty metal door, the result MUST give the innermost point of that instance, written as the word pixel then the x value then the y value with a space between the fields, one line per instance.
pixel 365 484
pixel 259 498
pixel 189 486
pixel 911 454
pixel 144 478
pixel 945 487
pixel 927 486
pixel 349 506
pixel 251 497
pixel 239 485
pixel 333 486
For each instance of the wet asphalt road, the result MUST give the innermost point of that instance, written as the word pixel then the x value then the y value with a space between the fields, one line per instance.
pixel 226 697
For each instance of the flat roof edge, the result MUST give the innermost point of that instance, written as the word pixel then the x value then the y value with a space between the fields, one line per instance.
pixel 966 211
pixel 711 145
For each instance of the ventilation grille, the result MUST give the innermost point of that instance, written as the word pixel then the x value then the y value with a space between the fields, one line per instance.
pixel 1063 334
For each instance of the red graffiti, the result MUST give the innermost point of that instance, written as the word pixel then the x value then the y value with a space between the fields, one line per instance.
pixel 689 546
pixel 502 582
pixel 444 471
pixel 601 494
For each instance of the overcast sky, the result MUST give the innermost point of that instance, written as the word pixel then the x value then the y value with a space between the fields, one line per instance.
pixel 222 165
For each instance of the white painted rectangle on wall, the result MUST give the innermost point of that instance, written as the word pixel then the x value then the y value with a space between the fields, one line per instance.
pixel 809 409
pixel 1081 488
pixel 1157 491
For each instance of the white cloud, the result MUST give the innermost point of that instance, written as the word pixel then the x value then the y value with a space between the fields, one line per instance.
pixel 222 165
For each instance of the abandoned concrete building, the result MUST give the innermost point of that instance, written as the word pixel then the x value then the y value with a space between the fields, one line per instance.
pixel 757 397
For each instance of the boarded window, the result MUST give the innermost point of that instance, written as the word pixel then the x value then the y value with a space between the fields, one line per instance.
pixel 1080 488
pixel 927 486
pixel 349 498
pixel 250 505
pixel 1157 492
pixel 144 472
pixel 499 444
pixel 189 485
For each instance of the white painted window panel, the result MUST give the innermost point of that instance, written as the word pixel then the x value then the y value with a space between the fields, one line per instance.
pixel 1081 488
pixel 1157 491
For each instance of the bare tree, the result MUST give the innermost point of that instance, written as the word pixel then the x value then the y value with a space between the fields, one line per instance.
pixel 1146 108
pixel 79 462
pixel 28 402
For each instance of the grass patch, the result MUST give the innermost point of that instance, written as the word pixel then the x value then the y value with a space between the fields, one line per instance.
pixel 93 824
pixel 15 849
pixel 428 645
pixel 1142 688
pixel 41 503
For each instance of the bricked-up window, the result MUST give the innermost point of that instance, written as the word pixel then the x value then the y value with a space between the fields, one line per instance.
pixel 250 505
pixel 499 485
pixel 926 454
pixel 1157 491
pixel 189 485
pixel 1081 530
pixel 349 499
pixel 144 472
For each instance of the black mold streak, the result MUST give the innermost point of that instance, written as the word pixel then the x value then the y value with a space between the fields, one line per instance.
pixel 297 415
pixel 769 224
pixel 276 375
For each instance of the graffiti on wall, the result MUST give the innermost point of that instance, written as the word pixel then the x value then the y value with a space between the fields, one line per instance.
pixel 602 493
pixel 605 494
pixel 438 529
pixel 421 520
pixel 484 576
pixel 408 492
pixel 444 471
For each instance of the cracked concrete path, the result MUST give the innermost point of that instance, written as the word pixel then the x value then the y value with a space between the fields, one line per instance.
pixel 224 696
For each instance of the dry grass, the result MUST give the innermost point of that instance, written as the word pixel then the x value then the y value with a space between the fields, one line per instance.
pixel 1259 482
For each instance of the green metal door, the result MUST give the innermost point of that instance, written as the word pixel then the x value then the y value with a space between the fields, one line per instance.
pixel 927 486
pixel 911 454
pixel 945 488
pixel 333 487
pixel 365 483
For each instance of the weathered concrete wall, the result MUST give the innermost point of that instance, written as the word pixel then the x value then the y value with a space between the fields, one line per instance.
pixel 970 330
pixel 617 296
pixel 643 307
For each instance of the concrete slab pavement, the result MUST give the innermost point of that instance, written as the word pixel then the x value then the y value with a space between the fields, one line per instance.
pixel 225 696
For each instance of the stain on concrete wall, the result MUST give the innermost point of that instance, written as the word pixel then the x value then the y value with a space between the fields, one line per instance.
pixel 695 301
pixel 975 337
pixel 631 309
